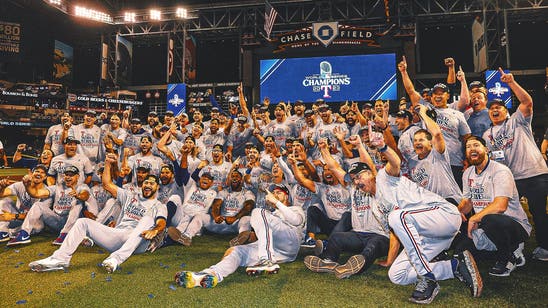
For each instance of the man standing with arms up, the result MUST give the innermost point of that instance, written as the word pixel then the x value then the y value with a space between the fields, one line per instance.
pixel 511 142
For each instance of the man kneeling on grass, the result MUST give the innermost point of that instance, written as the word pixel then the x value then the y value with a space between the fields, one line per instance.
pixel 279 234
pixel 143 217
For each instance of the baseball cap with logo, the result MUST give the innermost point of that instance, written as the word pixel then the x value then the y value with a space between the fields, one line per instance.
pixel 299 102
pixel 91 112
pixel 71 169
pixel 308 112
pixel 144 168
pixel 169 113
pixel 71 139
pixel 368 105
pixel 358 167
pixel 426 90
pixel 242 119
pixel 217 147
pixel 280 187
pixel 405 114
pixel 476 84
pixel 496 101
pixel 153 114
pixel 323 107
pixel 136 121
pixel 441 86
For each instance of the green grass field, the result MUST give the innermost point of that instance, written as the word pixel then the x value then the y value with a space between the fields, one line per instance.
pixel 147 280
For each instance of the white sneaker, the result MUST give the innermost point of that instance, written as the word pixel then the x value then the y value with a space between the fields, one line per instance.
pixel 518 254
pixel 540 254
pixel 48 264
pixel 110 265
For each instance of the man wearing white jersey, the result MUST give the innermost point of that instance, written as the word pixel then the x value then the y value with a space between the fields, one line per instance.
pixel 134 134
pixel 229 212
pixel 425 224
pixel 499 222
pixel 279 233
pixel 143 217
pixel 218 167
pixel 144 159
pixel 57 133
pixel 70 157
pixel 404 123
pixel 511 142
pixel 68 199
pixel 432 170
pixel 89 136
pixel 12 215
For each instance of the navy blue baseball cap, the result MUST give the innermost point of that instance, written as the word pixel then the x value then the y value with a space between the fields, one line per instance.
pixel 71 169
pixel 358 167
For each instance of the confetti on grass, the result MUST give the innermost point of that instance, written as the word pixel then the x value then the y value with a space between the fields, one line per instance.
pixel 151 295
pixel 16 250
pixel 182 265
pixel 92 274
pixel 40 254
pixel 172 287
pixel 100 251
pixel 21 302
pixel 108 279
pixel 29 292
pixel 129 272
pixel 66 283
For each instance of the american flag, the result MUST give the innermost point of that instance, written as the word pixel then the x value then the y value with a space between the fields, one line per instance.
pixel 270 15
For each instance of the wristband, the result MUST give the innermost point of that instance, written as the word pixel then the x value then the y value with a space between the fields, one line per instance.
pixel 383 149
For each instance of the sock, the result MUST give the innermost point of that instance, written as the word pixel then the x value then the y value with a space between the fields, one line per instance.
pixel 430 276
pixel 454 264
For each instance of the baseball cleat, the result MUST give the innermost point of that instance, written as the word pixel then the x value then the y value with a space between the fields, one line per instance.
pixel 503 268
pixel 467 272
pixel 319 265
pixel 243 238
pixel 109 265
pixel 264 266
pixel 4 236
pixel 353 266
pixel 179 237
pixel 22 238
pixel 87 242
pixel 518 254
pixel 157 241
pixel 189 280
pixel 540 254
pixel 59 240
pixel 48 264
pixel 425 291
pixel 309 242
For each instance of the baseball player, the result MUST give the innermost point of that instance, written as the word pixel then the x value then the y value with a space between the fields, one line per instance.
pixel 279 233
pixel 70 157
pixel 12 215
pixel 229 212
pixel 89 136
pixel 68 201
pixel 218 167
pixel 144 159
pixel 499 221
pixel 143 217
pixel 57 133
pixel 425 224
pixel 134 134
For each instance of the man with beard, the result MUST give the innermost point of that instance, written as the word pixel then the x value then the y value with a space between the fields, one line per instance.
pixel 229 212
pixel 431 170
pixel 57 133
pixel 167 147
pixel 280 128
pixel 134 134
pixel 308 131
pixel 152 121
pixel 279 232
pixel 168 187
pixel 70 157
pixel 238 136
pixel 354 120
pixel 511 142
pixel 297 120
pixel 499 222
pixel 12 216
pixel 89 136
pixel 217 167
pixel 325 129
pixel 425 224
pixel 335 200
pixel 68 199
pixel 144 159
pixel 143 217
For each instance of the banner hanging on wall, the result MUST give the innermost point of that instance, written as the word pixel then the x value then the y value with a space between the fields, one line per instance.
pixel 176 98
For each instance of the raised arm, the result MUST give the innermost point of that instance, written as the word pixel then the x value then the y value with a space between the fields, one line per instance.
pixel 525 100
pixel 464 99
pixel 34 190
pixel 407 83
pixel 438 143
pixel 106 178
pixel 332 163
pixel 364 155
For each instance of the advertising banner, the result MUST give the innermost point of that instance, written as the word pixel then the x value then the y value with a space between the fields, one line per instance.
pixel 176 94
pixel 63 58
pixel 497 89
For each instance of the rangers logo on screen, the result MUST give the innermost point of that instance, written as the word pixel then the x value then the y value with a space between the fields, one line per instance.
pixel 326 81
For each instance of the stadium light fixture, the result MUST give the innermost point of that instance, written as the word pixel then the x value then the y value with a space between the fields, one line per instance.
pixel 155 14
pixel 181 13
pixel 55 2
pixel 81 11
pixel 129 16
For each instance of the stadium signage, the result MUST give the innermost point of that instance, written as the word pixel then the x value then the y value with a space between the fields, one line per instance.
pixel 22 94
pixel 108 100
pixel 326 34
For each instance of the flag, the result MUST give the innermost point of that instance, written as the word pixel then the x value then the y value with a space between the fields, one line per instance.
pixel 480 48
pixel 270 15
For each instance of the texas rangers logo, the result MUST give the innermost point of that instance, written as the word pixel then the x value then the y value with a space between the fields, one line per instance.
pixel 176 101
pixel 325 32
pixel 498 90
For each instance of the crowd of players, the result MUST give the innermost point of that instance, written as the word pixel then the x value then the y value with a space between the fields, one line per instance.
pixel 435 177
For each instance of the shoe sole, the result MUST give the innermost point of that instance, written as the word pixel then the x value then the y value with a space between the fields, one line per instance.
pixel 505 274
pixel 42 268
pixel 258 272
pixel 472 267
pixel 318 265
pixel 351 267
pixel 428 300
pixel 176 235
pixel 57 243
pixel 318 249
pixel 18 243
pixel 5 239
